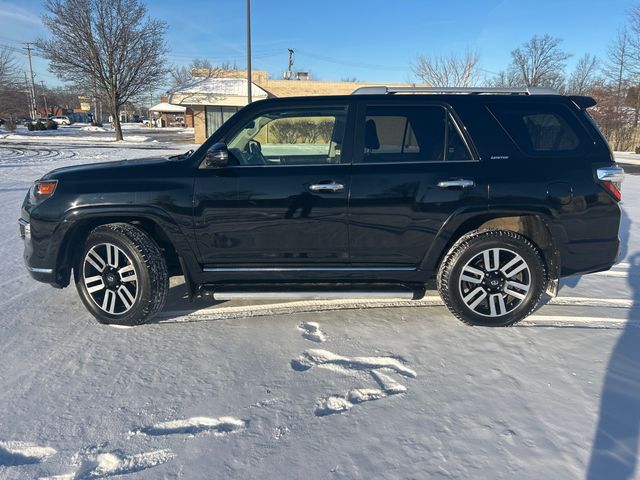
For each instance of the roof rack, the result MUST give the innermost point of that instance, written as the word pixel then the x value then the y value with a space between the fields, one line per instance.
pixel 382 90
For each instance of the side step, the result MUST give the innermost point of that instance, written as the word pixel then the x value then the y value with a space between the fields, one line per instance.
pixel 270 293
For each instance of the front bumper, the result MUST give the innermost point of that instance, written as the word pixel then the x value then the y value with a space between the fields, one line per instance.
pixel 40 273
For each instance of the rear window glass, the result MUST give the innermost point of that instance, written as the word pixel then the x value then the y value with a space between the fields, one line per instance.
pixel 539 129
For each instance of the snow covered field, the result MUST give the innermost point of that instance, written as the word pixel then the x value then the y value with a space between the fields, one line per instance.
pixel 311 390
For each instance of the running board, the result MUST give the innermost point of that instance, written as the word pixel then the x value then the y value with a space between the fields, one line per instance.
pixel 265 293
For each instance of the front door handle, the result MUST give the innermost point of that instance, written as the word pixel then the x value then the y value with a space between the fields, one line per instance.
pixel 329 186
pixel 458 183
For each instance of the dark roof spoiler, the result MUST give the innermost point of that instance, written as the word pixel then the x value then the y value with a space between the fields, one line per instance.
pixel 583 101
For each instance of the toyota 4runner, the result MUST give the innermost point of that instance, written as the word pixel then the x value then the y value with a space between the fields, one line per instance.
pixel 496 192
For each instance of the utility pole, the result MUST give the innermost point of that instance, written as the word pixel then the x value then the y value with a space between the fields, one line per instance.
pixel 44 96
pixel 28 92
pixel 290 67
pixel 33 82
pixel 249 51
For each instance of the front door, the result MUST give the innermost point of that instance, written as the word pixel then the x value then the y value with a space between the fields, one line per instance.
pixel 412 171
pixel 282 201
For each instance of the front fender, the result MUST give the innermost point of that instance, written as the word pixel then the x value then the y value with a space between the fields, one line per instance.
pixel 77 222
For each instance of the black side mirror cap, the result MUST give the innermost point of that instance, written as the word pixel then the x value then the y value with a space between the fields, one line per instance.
pixel 217 156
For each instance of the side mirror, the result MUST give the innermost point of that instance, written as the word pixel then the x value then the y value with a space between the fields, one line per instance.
pixel 217 156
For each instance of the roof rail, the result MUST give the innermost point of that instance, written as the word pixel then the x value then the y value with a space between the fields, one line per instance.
pixel 382 90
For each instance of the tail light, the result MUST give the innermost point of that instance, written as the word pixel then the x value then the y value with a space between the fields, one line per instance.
pixel 611 179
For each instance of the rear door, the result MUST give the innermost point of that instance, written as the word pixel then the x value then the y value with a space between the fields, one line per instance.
pixel 413 169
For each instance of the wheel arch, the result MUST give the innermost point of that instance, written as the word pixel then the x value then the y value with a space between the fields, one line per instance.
pixel 158 225
pixel 534 225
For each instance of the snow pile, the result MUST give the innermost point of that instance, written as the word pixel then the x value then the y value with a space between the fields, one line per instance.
pixel 355 366
pixel 92 128
pixel 137 138
pixel 329 360
pixel 311 331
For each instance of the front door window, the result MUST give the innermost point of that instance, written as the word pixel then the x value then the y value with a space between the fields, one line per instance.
pixel 291 137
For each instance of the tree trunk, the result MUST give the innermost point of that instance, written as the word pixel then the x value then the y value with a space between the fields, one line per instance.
pixel 115 112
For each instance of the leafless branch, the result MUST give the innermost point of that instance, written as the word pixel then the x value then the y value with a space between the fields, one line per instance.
pixel 451 70
pixel 540 62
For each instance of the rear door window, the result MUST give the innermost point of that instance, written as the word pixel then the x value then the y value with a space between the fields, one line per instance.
pixel 411 134
pixel 542 129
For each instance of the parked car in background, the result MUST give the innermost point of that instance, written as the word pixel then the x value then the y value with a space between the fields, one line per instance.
pixel 61 119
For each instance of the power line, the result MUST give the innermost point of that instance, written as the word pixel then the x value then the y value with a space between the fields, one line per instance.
pixel 325 58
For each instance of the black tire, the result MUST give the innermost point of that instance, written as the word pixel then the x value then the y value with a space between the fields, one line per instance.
pixel 453 288
pixel 143 261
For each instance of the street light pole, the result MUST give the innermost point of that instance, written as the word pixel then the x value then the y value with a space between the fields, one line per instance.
pixel 249 51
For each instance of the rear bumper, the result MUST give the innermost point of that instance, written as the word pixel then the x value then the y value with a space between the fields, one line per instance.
pixel 589 256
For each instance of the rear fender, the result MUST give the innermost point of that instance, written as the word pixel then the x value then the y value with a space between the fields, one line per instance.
pixel 463 222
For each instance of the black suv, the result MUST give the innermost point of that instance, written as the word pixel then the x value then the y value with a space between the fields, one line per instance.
pixel 495 192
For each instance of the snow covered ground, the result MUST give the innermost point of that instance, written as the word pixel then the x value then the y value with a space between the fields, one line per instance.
pixel 311 390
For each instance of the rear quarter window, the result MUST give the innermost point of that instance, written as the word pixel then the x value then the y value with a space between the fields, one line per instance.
pixel 540 129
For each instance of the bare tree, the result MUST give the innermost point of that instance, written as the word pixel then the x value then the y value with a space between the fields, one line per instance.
pixel 12 98
pixel 505 79
pixel 8 67
pixel 540 62
pixel 619 62
pixel 203 67
pixel 451 70
pixel 585 75
pixel 111 46
pixel 179 75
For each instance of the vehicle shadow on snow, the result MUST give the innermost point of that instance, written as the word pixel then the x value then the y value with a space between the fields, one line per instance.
pixel 178 304
pixel 615 447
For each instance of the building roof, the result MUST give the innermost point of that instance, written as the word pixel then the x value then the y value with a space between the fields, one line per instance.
pixel 164 107
pixel 229 87
pixel 215 91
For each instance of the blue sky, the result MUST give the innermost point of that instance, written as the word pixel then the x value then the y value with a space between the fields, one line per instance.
pixel 371 40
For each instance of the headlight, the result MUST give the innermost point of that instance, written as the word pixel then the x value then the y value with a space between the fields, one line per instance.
pixel 41 190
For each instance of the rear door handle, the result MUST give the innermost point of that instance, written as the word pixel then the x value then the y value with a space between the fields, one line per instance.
pixel 329 186
pixel 458 183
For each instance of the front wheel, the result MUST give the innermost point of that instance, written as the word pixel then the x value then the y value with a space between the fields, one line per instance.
pixel 492 278
pixel 121 275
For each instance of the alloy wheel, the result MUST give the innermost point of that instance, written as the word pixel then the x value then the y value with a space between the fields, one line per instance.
pixel 110 278
pixel 494 282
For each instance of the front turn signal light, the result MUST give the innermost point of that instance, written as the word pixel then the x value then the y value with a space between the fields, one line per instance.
pixel 41 190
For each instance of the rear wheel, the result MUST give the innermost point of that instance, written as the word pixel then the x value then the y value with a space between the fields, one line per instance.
pixel 121 275
pixel 492 278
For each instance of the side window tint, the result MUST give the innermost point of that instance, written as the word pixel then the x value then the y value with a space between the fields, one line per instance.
pixel 456 147
pixel 292 137
pixel 538 129
pixel 412 134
